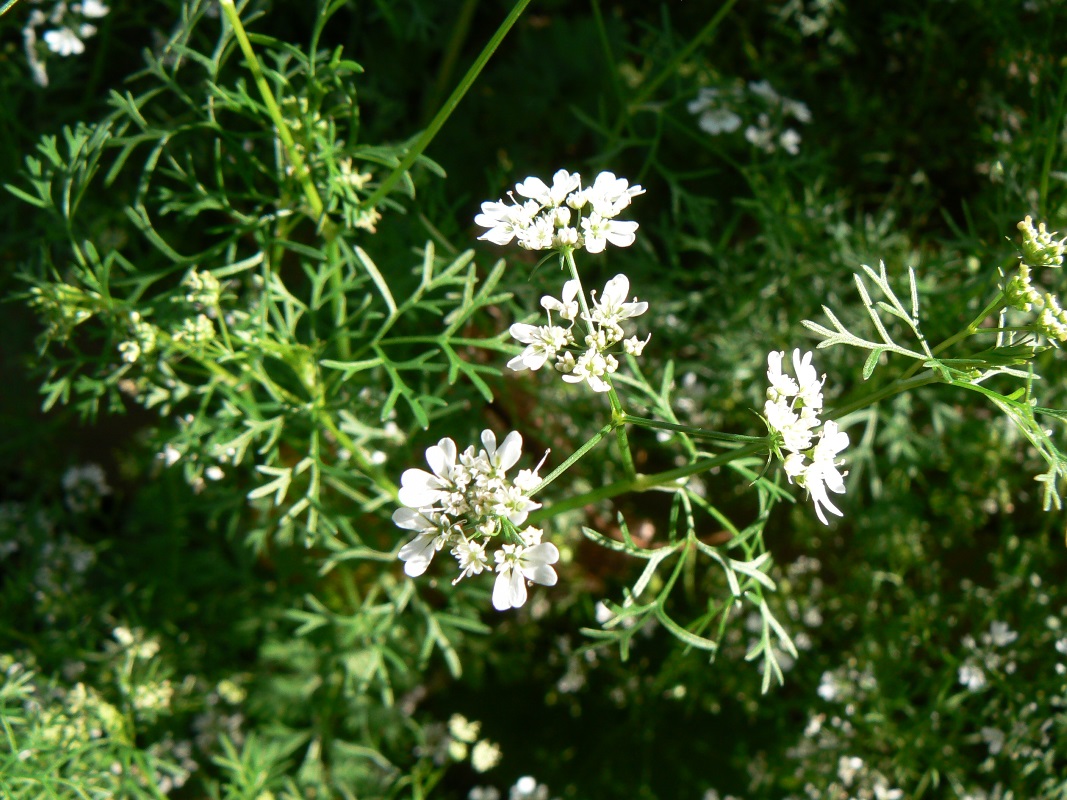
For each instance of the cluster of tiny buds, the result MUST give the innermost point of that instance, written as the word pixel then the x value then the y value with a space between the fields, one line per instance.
pixel 604 331
pixel 465 503
pixel 563 216
pixel 792 415
pixel 1040 248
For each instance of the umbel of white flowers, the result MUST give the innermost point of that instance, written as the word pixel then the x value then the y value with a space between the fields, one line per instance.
pixel 792 415
pixel 563 215
pixel 556 343
pixel 466 502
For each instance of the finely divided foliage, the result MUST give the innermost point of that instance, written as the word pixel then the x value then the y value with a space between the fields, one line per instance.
pixel 318 538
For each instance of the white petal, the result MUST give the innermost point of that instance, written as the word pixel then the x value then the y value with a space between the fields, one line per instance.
pixel 523 332
pixel 501 591
pixel 409 519
pixel 517 588
pixel 615 290
pixel 419 488
pixel 442 457
pixel 510 450
pixel 418 553
pixel 534 188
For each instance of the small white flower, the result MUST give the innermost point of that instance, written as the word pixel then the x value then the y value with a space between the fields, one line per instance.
pixel 828 688
pixel 504 220
pixel 822 473
pixel 64 41
pixel 527 788
pixel 485 756
pixel 764 90
pixel 94 9
pixel 517 564
pixel 994 737
pixel 789 140
pixel 972 677
pixel 799 111
pixel 848 767
pixel 1001 634
pixel 714 118
pixel 434 532
pixel 782 386
pixel 471 557
pixel 634 346
pixel 599 231
pixel 611 307
pixel 420 489
pixel 568 306
pixel 543 342
pixel 590 367
pixel 502 458
pixel 563 183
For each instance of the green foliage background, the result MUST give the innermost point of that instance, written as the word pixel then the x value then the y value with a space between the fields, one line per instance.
pixel 303 662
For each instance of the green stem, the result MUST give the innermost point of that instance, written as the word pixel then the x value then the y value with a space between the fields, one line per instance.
pixel 644 483
pixel 460 29
pixel 618 417
pixel 698 433
pixel 453 100
pixel 573 458
pixel 368 469
pixel 896 387
pixel 300 170
pixel 649 88
pixel 971 329
pixel 568 257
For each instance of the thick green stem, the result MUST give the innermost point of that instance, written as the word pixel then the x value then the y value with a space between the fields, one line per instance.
pixel 370 470
pixel 644 483
pixel 300 170
pixel 618 417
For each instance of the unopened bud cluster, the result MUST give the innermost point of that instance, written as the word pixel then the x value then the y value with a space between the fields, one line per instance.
pixel 563 216
pixel 582 358
pixel 465 503
pixel 1040 248
pixel 792 415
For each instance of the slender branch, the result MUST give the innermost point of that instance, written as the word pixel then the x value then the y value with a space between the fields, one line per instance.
pixel 573 458
pixel 644 483
pixel 995 305
pixel 896 387
pixel 303 174
pixel 453 100
pixel 697 433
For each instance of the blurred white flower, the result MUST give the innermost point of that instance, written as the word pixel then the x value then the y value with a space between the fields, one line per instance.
pixel 64 42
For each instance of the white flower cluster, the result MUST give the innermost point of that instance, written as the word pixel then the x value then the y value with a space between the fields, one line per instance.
pixel 716 110
pixel 563 215
pixel 464 503
pixel 792 415
pixel 767 133
pixel 68 26
pixel 552 342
